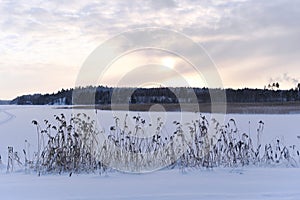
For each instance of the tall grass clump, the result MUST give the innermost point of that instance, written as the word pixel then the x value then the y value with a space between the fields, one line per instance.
pixel 77 146
pixel 67 145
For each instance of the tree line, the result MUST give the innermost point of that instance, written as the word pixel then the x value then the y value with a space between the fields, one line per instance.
pixel 102 95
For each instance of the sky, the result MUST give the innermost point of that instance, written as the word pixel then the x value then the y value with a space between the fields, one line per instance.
pixel 43 44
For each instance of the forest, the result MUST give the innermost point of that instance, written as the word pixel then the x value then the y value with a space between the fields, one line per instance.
pixel 102 95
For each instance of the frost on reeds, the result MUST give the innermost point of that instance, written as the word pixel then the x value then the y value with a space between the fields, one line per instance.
pixel 77 146
pixel 68 146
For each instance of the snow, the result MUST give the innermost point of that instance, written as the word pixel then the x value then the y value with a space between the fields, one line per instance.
pixel 222 184
pixel 241 183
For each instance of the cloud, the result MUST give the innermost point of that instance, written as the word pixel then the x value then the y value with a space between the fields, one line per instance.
pixel 240 35
pixel 166 4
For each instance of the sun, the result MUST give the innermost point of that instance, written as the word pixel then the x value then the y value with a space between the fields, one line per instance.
pixel 169 62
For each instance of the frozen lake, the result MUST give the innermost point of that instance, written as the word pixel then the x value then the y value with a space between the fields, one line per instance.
pixel 16 126
pixel 241 183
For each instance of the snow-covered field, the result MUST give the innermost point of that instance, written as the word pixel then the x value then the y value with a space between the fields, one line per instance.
pixel 241 183
pixel 266 184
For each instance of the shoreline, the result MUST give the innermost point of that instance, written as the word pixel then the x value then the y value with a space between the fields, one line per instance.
pixel 231 108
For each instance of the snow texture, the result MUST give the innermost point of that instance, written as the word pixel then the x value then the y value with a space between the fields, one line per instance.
pixel 241 183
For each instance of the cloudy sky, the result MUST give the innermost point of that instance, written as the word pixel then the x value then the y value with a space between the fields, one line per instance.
pixel 43 44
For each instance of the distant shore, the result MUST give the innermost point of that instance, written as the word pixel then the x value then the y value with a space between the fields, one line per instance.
pixel 232 108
